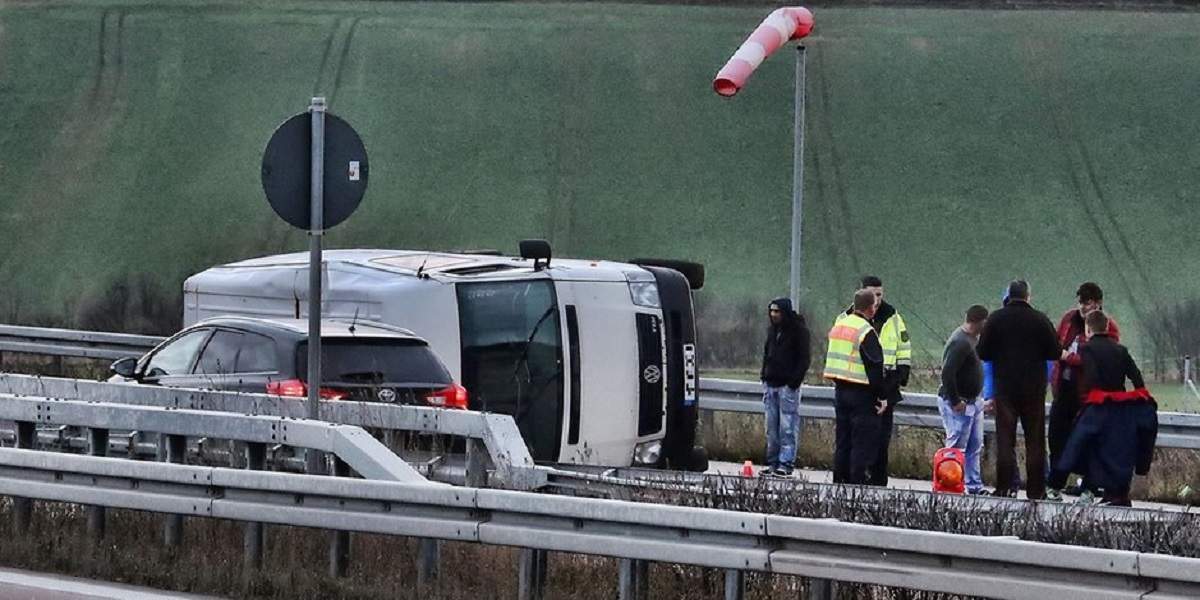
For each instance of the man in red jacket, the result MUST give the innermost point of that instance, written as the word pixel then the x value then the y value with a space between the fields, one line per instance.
pixel 1068 370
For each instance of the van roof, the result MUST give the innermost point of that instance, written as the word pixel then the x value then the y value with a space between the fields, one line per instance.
pixel 330 328
pixel 444 266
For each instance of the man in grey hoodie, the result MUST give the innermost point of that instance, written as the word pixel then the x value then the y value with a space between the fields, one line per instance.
pixel 786 358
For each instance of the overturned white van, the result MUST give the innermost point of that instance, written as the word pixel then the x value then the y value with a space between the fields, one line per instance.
pixel 594 359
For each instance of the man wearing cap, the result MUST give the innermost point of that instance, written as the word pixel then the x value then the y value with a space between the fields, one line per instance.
pixel 897 362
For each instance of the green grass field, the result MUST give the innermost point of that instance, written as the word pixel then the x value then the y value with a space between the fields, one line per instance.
pixel 948 150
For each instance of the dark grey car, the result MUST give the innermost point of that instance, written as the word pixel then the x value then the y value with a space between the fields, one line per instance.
pixel 362 361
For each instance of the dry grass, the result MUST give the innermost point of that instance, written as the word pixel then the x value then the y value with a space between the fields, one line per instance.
pixel 381 567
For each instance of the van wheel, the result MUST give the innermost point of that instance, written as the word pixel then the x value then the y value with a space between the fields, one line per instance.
pixel 692 271
pixel 698 459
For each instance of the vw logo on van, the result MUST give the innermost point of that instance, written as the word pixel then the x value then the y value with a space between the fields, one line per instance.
pixel 386 395
pixel 652 374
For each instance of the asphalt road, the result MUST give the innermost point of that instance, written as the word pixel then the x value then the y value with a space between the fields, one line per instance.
pixel 26 585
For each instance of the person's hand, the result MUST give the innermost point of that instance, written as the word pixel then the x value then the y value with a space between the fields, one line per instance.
pixel 1064 355
pixel 989 406
pixel 960 408
pixel 880 406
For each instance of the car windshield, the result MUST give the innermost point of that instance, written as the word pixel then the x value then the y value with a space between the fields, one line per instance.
pixel 512 356
pixel 376 361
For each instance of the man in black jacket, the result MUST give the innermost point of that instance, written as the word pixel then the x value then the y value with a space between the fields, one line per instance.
pixel 1019 342
pixel 1115 433
pixel 786 357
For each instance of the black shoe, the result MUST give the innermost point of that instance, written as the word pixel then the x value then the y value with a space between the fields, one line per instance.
pixel 783 472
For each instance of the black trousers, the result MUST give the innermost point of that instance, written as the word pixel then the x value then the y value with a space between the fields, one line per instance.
pixel 878 472
pixel 1030 412
pixel 857 434
pixel 1063 411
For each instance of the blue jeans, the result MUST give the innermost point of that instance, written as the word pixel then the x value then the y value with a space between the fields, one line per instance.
pixel 965 432
pixel 783 422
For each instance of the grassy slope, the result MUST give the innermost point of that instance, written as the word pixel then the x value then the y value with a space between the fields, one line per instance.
pixel 947 150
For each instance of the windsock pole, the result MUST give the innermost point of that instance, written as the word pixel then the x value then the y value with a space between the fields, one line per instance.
pixel 781 26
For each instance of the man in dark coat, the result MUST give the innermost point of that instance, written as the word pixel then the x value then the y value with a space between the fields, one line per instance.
pixel 786 357
pixel 1019 342
pixel 1116 430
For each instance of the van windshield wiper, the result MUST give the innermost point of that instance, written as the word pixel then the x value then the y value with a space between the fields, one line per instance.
pixel 524 358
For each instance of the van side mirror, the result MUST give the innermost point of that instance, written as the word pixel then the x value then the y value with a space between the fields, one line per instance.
pixel 125 367
pixel 538 250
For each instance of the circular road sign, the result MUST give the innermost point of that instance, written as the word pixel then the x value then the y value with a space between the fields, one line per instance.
pixel 286 171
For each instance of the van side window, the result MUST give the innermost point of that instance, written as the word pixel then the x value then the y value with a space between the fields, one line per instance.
pixel 220 354
pixel 257 354
pixel 177 357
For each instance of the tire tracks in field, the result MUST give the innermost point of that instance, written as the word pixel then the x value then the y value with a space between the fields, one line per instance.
pixel 568 155
pixel 81 141
pixel 836 218
pixel 333 59
pixel 1088 193
pixel 328 83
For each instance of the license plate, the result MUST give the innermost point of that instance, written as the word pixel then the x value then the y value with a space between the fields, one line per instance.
pixel 689 374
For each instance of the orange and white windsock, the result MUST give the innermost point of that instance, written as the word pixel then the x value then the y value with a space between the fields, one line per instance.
pixel 791 23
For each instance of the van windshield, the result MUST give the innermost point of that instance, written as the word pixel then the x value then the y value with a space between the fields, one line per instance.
pixel 512 356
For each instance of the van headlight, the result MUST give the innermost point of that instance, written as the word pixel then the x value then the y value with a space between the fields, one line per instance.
pixel 647 453
pixel 643 290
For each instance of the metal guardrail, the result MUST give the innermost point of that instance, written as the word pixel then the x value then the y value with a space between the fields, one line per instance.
pixel 816 548
pixel 1175 430
pixel 352 445
pixel 74 343
pixel 501 441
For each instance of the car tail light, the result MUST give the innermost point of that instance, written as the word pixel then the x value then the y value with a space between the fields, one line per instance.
pixel 454 396
pixel 298 389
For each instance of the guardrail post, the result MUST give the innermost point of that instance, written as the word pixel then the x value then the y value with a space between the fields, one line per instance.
pixel 252 540
pixel 634 580
pixel 428 556
pixel 532 574
pixel 339 542
pixel 477 457
pixel 97 446
pixel 26 435
pixel 819 589
pixel 735 584
pixel 708 426
pixel 176 449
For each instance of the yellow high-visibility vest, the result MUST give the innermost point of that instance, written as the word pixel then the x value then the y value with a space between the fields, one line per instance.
pixel 843 358
pixel 897 348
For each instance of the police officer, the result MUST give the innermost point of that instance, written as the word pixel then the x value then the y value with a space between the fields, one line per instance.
pixel 854 362
pixel 897 363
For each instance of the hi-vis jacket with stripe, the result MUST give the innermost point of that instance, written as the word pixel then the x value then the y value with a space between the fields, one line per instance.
pixel 843 358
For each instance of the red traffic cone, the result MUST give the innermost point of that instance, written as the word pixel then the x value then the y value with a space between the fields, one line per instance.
pixel 748 469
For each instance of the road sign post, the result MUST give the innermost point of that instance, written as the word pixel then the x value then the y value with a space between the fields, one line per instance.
pixel 317 179
pixel 314 174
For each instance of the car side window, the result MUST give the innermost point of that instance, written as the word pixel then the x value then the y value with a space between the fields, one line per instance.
pixel 176 358
pixel 257 354
pixel 219 356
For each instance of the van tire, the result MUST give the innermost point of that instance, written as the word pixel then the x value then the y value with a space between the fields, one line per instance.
pixel 692 271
